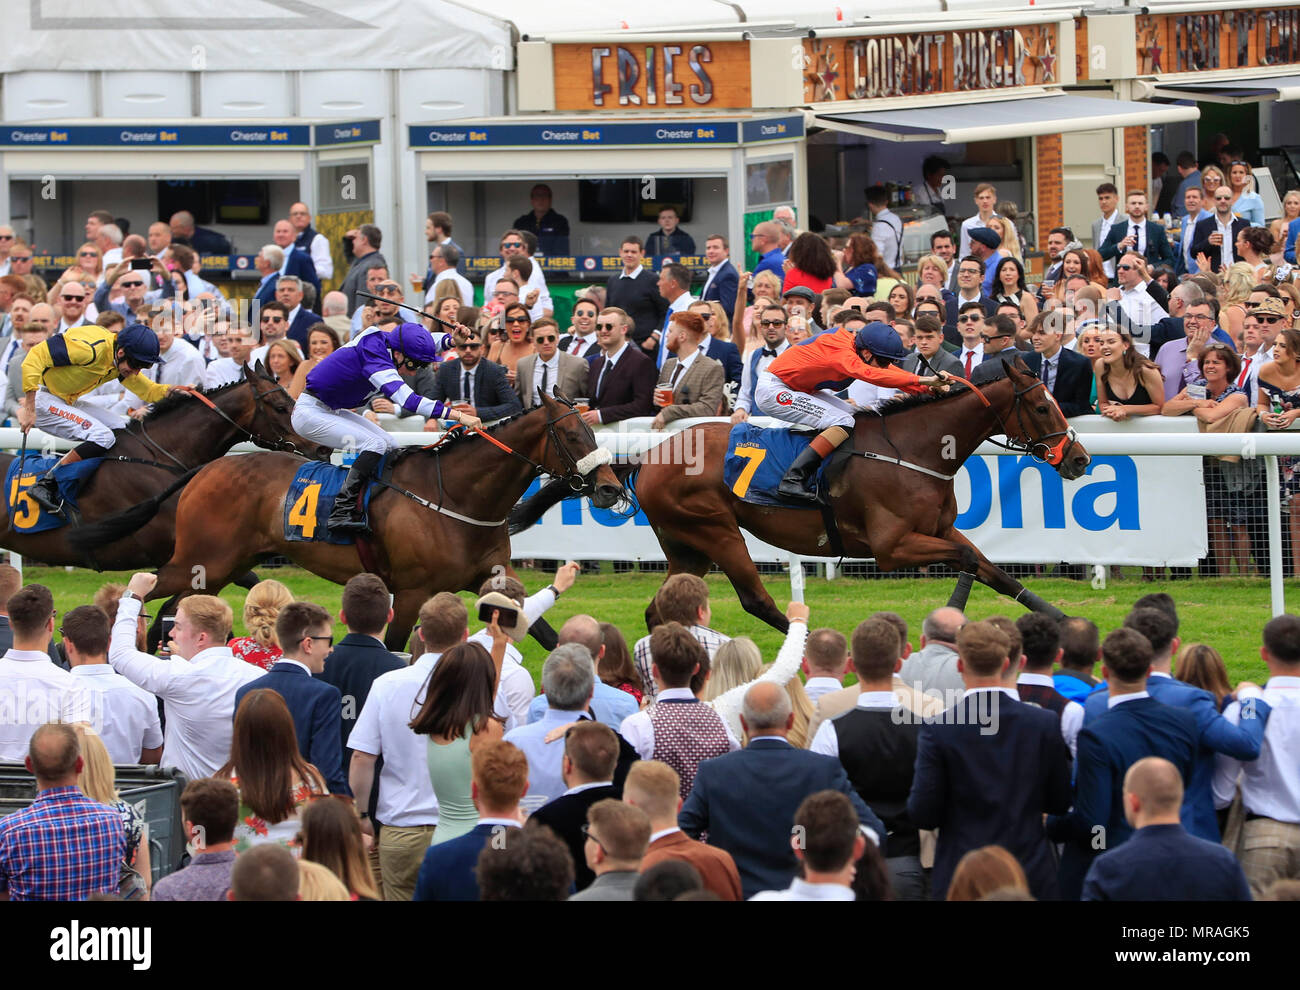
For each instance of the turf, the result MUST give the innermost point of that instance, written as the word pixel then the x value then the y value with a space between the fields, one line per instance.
pixel 1228 614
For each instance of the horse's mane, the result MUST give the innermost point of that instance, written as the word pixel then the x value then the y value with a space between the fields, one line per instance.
pixel 981 374
pixel 175 400
pixel 458 439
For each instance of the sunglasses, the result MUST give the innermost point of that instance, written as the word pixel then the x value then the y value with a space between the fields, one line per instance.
pixel 19 257
pixel 771 323
pixel 607 326
pixel 1269 319
pixel 326 639
pixel 130 285
pixel 970 319
pixel 988 338
pixel 505 294
pixel 1223 199
pixel 87 254
pixel 548 339
pixel 470 347
pixel 513 244
pixel 273 319
pixel 516 319
pixel 6 237
pixel 73 298
pixel 1125 268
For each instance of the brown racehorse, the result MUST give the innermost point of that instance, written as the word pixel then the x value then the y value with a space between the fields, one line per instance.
pixel 233 512
pixel 900 516
pixel 160 454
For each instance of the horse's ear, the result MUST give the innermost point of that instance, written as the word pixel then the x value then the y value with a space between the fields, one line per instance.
pixel 261 371
pixel 561 397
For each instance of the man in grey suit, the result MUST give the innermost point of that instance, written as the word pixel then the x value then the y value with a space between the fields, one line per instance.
pixel 618 836
pixel 934 666
pixel 548 366
pixel 928 338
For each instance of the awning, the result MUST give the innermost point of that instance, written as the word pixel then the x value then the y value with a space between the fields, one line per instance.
pixel 1235 91
pixel 1022 117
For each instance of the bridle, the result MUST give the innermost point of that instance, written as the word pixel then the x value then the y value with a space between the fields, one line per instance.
pixel 1042 448
pixel 575 469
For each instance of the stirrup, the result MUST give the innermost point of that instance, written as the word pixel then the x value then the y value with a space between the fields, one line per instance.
pixel 48 500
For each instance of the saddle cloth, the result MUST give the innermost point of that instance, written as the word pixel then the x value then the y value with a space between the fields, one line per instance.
pixel 25 516
pixel 757 459
pixel 310 500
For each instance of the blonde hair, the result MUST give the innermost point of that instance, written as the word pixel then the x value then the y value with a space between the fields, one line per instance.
pixel 802 707
pixel 318 883
pixel 444 290
pixel 768 278
pixel 721 322
pixel 209 614
pixel 262 608
pixel 736 663
pixel 1238 282
pixel 934 261
pixel 1010 238
pixel 98 780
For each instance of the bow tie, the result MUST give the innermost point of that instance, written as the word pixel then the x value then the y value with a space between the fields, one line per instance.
pixel 769 352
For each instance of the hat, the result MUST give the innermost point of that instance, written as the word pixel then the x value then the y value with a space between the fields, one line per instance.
pixel 989 238
pixel 881 340
pixel 1270 307
pixel 494 599
pixel 802 291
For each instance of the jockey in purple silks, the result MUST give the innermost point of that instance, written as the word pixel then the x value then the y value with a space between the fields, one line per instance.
pixel 362 368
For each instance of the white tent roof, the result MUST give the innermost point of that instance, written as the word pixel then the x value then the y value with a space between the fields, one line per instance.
pixel 251 35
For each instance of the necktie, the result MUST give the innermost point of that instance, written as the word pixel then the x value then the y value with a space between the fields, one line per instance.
pixel 969 355
pixel 676 374
pixel 576 346
pixel 1137 238
pixel 600 382
pixel 465 389
pixel 1048 368
pixel 542 390
pixel 1245 370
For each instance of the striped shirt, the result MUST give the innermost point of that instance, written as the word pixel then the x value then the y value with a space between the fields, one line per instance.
pixel 62 847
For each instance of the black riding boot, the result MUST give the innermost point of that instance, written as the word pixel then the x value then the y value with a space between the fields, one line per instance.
pixel 800 472
pixel 348 515
pixel 45 493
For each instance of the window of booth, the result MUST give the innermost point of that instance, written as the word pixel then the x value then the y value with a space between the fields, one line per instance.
pixel 769 182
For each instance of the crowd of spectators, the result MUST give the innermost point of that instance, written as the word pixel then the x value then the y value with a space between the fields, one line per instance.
pixel 984 765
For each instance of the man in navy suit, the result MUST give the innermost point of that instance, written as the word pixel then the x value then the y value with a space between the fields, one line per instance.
pixel 746 800
pixel 296 260
pixel 1214 733
pixel 591 751
pixel 723 279
pixel 1161 862
pixel 1136 233
pixel 499 782
pixel 1135 725
pixel 288 290
pixel 1216 235
pixel 306 635
pixel 1069 374
pixel 490 396
pixel 723 351
pixel 989 767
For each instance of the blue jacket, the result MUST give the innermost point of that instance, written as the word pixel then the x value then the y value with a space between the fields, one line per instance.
pixel 1164 863
pixel 746 802
pixel 723 288
pixel 1292 232
pixel 317 710
pixel 1108 746
pixel 303 322
pixel 1214 733
pixel 774 262
pixel 984 776
pixel 300 264
pixel 447 873
pixel 725 352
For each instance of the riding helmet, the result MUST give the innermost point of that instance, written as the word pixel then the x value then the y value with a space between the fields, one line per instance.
pixel 140 344
pixel 413 341
pixel 881 340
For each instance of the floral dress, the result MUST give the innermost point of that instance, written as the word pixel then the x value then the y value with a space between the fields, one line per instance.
pixel 1288 467
pixel 253 830
pixel 249 650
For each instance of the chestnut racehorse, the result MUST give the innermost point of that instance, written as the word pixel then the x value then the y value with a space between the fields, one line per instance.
pixel 154 459
pixel 233 512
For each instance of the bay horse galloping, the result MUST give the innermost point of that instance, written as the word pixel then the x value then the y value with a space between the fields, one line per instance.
pixel 153 459
pixel 438 519
pixel 891 496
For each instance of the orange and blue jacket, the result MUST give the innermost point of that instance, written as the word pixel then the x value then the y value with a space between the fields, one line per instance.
pixel 830 361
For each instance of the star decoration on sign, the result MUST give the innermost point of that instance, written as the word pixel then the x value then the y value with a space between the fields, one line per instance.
pixel 1047 60
pixel 822 73
pixel 1154 51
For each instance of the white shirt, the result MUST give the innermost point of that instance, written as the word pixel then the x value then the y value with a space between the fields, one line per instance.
pixel 319 249
pixel 802 890
pixel 1138 231
pixel 1106 223
pixel 827 742
pixel 462 283
pixel 1141 309
pixel 747 378
pixel 182 364
pixel 535 281
pixel 1071 718
pixel 222 371
pixel 125 716
pixel 977 356
pixel 1226 248
pixel 1114 700
pixel 552 374
pixel 35 691
pixel 639 731
pixel 679 304
pixel 577 346
pixel 887 232
pixel 1270 785
pixel 199 694
pixel 383 729
pixel 815 687
pixel 1252 363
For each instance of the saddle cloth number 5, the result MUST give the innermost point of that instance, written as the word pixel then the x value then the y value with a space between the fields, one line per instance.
pixel 26 512
pixel 303 513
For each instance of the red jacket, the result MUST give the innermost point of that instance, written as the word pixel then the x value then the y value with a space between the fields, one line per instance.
pixel 830 361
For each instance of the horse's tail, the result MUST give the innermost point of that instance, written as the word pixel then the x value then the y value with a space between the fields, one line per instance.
pixel 115 527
